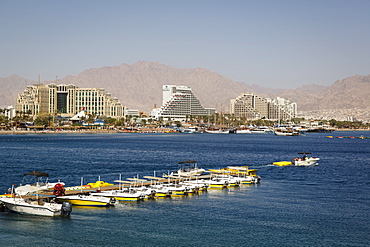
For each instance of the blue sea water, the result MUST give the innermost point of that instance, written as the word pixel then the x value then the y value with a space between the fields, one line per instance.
pixel 325 205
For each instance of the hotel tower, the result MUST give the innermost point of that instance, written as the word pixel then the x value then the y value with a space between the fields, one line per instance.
pixel 68 100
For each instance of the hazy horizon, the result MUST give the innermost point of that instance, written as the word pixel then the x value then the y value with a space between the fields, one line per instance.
pixel 275 44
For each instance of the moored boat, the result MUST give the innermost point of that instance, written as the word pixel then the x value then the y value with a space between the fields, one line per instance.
pixel 286 132
pixel 33 182
pixel 217 131
pixel 39 207
pixel 87 200
pixel 189 168
pixel 243 131
pixel 128 194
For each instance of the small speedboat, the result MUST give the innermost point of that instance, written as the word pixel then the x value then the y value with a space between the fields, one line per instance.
pixel 33 182
pixel 32 206
pixel 176 189
pixel 88 200
pixel 122 195
pixel 305 160
pixel 189 168
pixel 217 131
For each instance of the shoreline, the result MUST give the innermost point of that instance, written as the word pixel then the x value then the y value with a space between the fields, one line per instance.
pixel 163 131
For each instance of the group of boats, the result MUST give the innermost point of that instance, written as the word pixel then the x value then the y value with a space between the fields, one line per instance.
pixel 349 137
pixel 40 197
pixel 53 199
pixel 243 130
pixel 280 130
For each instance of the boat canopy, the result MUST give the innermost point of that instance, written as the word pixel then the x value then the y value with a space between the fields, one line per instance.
pixel 188 161
pixel 37 174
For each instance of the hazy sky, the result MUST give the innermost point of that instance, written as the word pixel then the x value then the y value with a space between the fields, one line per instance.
pixel 278 44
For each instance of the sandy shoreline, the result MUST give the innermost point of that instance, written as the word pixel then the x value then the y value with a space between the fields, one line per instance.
pixel 15 132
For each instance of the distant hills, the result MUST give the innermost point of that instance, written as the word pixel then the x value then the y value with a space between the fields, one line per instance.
pixel 139 86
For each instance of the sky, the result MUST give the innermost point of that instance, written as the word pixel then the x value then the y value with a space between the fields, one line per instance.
pixel 276 44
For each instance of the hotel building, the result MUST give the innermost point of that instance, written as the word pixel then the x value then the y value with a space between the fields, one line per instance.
pixel 179 102
pixel 252 107
pixel 68 100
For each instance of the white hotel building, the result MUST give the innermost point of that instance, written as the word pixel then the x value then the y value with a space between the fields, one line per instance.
pixel 178 102
pixel 253 107
pixel 67 101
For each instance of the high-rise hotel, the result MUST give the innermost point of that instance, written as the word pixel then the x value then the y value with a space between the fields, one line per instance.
pixel 68 100
pixel 252 107
pixel 179 102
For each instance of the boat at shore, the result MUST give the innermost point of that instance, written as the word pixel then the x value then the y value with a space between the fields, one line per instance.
pixel 243 131
pixel 34 181
pixel 189 168
pixel 217 131
pixel 87 200
pixel 261 130
pixel 286 132
pixel 192 130
pixel 35 204
pixel 127 194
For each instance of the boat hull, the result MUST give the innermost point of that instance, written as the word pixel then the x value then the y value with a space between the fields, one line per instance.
pixel 306 162
pixel 18 206
pixel 89 201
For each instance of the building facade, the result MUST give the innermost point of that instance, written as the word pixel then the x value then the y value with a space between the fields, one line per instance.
pixel 68 100
pixel 179 102
pixel 253 107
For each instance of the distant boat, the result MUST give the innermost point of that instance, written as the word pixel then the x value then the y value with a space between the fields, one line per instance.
pixel 243 131
pixel 217 131
pixel 189 168
pixel 305 160
pixel 282 131
pixel 261 130
pixel 192 130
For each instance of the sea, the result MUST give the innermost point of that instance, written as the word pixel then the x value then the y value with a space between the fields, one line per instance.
pixel 323 205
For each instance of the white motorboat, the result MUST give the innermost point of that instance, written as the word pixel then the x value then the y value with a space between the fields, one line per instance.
pixel 217 131
pixel 261 130
pixel 127 194
pixel 176 189
pixel 192 130
pixel 88 200
pixel 305 160
pixel 189 169
pixel 243 131
pixel 37 184
pixel 160 190
pixel 286 132
pixel 36 207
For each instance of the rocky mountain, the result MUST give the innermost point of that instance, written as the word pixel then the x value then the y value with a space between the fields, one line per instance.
pixel 352 92
pixel 139 86
pixel 10 87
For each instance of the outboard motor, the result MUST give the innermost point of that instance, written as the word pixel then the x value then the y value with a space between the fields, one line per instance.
pixel 2 207
pixel 66 209
pixel 112 201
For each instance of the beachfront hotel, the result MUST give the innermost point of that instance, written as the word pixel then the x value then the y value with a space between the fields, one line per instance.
pixel 178 102
pixel 67 101
pixel 253 107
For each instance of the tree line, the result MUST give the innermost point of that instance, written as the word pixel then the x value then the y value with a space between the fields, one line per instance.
pixel 225 120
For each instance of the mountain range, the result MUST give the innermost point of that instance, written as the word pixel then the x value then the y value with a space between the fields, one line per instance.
pixel 139 86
